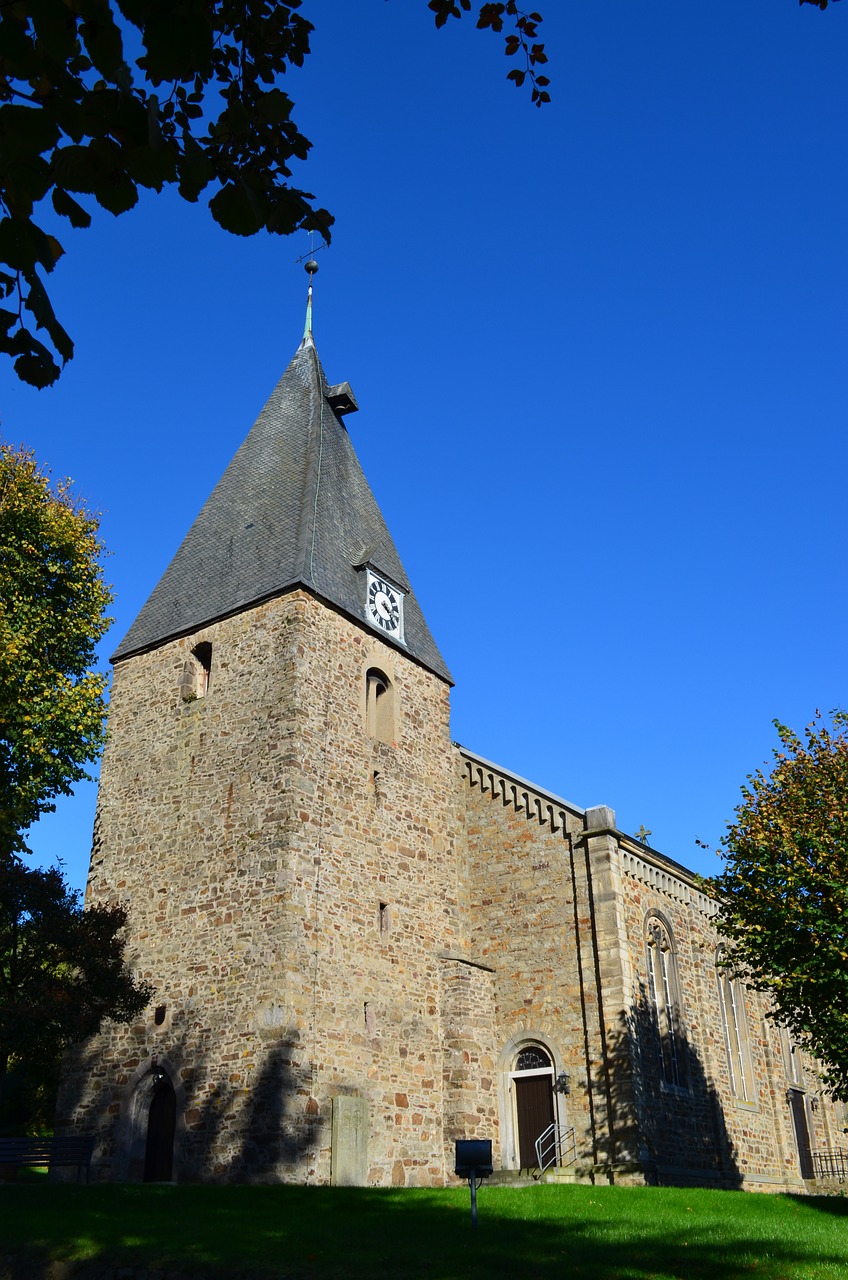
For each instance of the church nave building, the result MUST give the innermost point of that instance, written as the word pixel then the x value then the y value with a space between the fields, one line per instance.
pixel 365 940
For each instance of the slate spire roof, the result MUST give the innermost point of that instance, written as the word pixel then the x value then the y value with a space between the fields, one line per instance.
pixel 292 509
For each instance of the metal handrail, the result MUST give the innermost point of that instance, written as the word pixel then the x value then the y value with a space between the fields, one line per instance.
pixel 832 1162
pixel 556 1146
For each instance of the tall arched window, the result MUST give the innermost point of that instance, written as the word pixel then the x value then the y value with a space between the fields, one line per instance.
pixel 792 1061
pixel 731 995
pixel 664 989
pixel 379 705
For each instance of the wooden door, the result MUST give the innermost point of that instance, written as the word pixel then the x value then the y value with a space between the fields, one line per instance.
pixel 534 1102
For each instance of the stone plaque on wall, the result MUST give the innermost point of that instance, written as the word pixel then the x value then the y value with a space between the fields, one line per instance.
pixel 350 1142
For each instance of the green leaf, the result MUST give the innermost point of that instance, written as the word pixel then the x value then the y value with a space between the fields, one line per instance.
pixel 96 170
pixel 39 304
pixel 25 132
pixel 38 368
pixel 154 129
pixel 23 244
pixel 56 36
pixel 76 169
pixel 195 169
pixel 273 107
pixel 102 39
pixel 16 50
pixel 26 182
pixel 115 190
pixel 68 208
pixel 178 42
pixel 233 211
pixel 150 166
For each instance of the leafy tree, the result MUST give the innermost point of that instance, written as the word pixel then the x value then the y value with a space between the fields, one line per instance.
pixel 63 970
pixel 52 606
pixel 784 892
pixel 201 105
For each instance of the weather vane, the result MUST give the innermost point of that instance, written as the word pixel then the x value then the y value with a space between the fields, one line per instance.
pixel 312 250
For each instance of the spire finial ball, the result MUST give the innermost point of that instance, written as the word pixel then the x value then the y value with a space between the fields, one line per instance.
pixel 311 266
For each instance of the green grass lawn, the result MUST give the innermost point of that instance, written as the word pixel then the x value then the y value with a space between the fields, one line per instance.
pixel 595 1233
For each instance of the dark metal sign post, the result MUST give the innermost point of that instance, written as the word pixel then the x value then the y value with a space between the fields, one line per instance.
pixel 474 1162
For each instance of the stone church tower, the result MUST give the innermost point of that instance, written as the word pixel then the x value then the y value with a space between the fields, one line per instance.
pixel 366 941
pixel 275 809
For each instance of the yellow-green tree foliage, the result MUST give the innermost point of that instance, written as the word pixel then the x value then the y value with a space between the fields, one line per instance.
pixel 53 602
pixel 784 892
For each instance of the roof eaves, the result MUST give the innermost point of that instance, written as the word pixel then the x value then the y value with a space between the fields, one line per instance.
pixel 549 796
pixel 121 654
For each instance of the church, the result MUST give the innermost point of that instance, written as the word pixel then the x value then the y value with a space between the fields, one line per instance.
pixel 365 941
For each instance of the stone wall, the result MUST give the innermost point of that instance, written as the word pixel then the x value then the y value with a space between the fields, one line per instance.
pixel 519 901
pixel 556 902
pixel 706 1131
pixel 290 886
pixel 343 914
pixel 468 1039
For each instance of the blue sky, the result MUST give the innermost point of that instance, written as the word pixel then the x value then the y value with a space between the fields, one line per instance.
pixel 600 355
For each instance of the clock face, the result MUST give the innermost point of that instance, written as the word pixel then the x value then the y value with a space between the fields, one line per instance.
pixel 384 605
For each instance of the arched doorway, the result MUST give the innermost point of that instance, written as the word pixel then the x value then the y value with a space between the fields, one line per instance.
pixel 533 1083
pixel 161 1127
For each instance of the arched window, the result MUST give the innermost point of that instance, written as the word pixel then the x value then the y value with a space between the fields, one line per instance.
pixel 664 989
pixel 197 671
pixel 379 705
pixel 731 995
pixel 202 654
pixel 533 1059
pixel 792 1060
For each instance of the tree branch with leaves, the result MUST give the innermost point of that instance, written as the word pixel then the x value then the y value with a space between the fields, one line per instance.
pixel 53 602
pixel 63 970
pixel 201 106
pixel 784 892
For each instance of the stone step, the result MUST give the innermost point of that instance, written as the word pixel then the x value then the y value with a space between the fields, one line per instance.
pixel 571 1174
pixel 513 1178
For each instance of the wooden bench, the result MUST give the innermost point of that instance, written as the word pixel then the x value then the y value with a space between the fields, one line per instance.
pixel 52 1152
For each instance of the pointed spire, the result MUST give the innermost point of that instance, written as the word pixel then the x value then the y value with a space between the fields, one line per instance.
pixel 293 509
pixel 311 266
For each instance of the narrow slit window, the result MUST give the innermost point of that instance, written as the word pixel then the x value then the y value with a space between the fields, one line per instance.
pixel 202 654
pixel 379 706
pixel 197 671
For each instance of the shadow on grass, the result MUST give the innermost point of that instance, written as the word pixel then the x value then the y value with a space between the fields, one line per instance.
pixel 327 1234
pixel 836 1206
